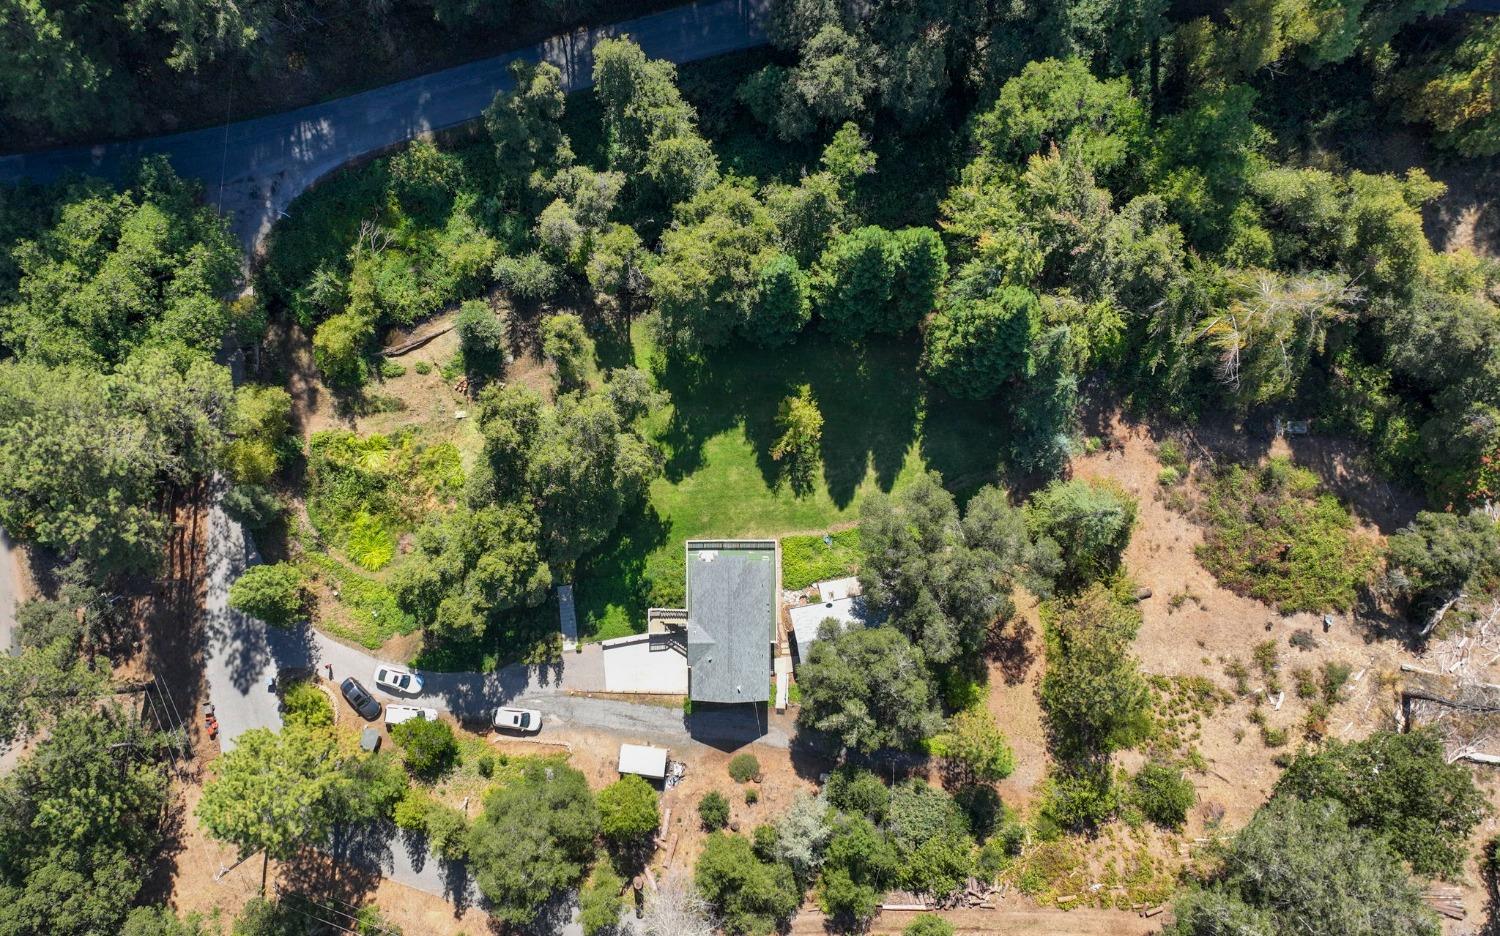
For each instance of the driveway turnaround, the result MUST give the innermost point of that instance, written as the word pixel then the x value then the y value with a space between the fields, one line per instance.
pixel 254 168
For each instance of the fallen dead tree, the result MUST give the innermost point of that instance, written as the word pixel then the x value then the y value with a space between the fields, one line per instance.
pixel 1464 712
pixel 412 344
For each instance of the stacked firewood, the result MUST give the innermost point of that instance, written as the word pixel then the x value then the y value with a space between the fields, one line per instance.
pixel 1447 901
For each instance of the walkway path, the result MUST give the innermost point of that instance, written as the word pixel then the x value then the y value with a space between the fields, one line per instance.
pixel 253 169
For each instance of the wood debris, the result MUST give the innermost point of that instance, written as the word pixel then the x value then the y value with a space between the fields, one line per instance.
pixel 1447 901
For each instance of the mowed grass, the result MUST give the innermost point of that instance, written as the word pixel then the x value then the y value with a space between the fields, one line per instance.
pixel 882 427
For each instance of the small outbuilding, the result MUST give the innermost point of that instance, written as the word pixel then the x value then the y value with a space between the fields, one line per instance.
pixel 644 760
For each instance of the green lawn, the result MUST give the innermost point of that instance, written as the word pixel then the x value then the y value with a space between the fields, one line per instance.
pixel 882 426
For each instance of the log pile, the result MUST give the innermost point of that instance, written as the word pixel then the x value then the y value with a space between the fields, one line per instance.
pixel 978 895
pixel 1447 901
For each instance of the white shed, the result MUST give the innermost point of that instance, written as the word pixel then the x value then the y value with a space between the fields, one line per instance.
pixel 644 760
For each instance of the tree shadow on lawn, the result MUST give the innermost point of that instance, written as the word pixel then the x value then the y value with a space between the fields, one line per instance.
pixel 868 393
pixel 620 575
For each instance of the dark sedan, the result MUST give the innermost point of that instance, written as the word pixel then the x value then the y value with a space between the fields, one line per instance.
pixel 357 696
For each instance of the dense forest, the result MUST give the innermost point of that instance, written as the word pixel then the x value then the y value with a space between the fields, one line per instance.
pixel 1028 206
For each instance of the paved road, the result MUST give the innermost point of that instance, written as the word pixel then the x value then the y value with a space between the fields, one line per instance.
pixel 253 169
pixel 10 594
pixel 240 656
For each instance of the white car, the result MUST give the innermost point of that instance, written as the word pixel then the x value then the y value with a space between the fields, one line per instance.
pixel 396 714
pixel 397 681
pixel 518 719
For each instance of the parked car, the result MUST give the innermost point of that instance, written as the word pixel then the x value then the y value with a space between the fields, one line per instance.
pixel 359 697
pixel 396 714
pixel 397 680
pixel 518 719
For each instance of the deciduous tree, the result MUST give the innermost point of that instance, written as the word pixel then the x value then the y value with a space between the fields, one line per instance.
pixel 534 839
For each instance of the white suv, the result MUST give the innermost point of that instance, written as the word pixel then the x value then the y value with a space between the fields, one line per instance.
pixel 518 719
pixel 397 681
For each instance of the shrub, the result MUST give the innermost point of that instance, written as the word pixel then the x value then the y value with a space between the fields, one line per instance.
pixel 858 792
pixel 1081 798
pixel 941 865
pixel 801 834
pixel 976 745
pixel 1273 534
pixel 390 369
pixel 570 349
pixel 628 813
pixel 1162 794
pixel 428 747
pixel 601 902
pixel 482 336
pixel 752 796
pixel 713 810
pixel 305 705
pixel 272 593
pixel 928 924
pixel 1089 521
pixel 930 835
pixel 448 831
pixel 1303 639
pixel 253 506
pixel 1305 682
pixel 744 768
pixel 807 559
pixel 1333 677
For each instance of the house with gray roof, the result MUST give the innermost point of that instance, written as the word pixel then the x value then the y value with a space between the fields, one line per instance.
pixel 730 619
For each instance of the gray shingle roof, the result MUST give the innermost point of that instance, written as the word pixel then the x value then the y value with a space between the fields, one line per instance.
pixel 731 605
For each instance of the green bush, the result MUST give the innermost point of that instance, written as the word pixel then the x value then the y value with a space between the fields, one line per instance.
pixel 628 814
pixel 1162 794
pixel 859 792
pixel 1089 521
pixel 752 796
pixel 304 704
pixel 807 559
pixel 447 831
pixel 428 747
pixel 272 593
pixel 928 924
pixel 1272 533
pixel 600 903
pixel 255 507
pixel 744 768
pixel 1083 797
pixel 371 543
pixel 713 810
pixel 422 367
pixel 483 337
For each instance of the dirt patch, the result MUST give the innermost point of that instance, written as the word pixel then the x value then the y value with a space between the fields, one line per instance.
pixel 431 401
pixel 1192 627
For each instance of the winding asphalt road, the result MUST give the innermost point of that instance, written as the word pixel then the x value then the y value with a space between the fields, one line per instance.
pixel 254 168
